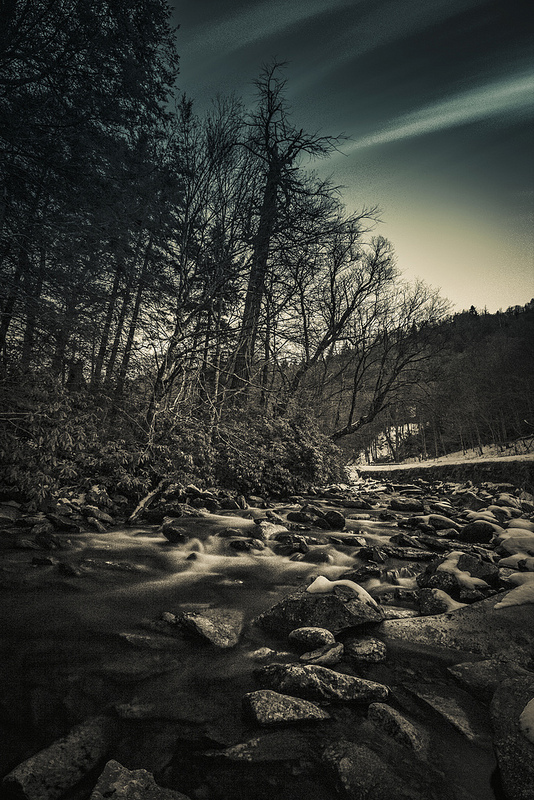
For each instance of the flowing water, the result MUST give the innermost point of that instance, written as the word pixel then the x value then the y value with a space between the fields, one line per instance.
pixel 66 656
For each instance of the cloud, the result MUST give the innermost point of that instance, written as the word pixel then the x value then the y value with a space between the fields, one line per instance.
pixel 258 22
pixel 507 96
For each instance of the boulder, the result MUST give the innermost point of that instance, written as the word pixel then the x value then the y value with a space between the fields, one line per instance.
pixel 327 656
pixel 335 519
pixel 480 629
pixel 412 504
pixel 123 784
pixel 334 611
pixel 267 707
pixel 480 530
pixel 319 683
pixel 481 678
pixel 514 750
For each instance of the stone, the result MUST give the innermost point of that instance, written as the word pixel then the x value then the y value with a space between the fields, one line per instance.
pixel 267 707
pixel 480 531
pixel 124 784
pixel 173 532
pixel 319 683
pixel 311 638
pixel 481 678
pixel 458 708
pixel 515 752
pixel 411 504
pixel 335 519
pixel 276 745
pixel 94 511
pixel 366 775
pixel 327 656
pixel 398 727
pixel 479 629
pixel 218 627
pixel 335 611
pixel 365 650
pixel 436 601
pixel 51 772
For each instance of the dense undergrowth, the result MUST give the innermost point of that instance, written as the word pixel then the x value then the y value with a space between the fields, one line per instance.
pixel 52 438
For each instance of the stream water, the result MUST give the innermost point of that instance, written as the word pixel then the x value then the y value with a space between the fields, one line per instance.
pixel 65 655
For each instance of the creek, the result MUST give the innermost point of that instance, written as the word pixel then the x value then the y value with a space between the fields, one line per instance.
pixel 66 636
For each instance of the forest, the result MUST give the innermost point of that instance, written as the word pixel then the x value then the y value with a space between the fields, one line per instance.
pixel 181 295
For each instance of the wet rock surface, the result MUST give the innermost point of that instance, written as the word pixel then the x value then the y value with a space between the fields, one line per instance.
pixel 191 634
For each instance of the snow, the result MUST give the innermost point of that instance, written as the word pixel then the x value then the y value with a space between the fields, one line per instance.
pixel 523 594
pixel 463 578
pixel 526 721
pixel 322 585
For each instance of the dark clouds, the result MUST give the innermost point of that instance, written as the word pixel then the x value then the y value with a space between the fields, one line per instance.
pixel 437 97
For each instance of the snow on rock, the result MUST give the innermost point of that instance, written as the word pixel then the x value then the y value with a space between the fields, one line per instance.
pixel 464 578
pixel 526 721
pixel 516 540
pixel 524 592
pixel 322 585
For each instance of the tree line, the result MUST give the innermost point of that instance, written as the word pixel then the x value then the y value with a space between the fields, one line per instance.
pixel 181 291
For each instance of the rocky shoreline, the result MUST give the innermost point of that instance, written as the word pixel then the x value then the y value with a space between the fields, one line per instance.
pixel 407 673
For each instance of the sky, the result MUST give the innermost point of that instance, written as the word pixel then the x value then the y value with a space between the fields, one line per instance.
pixel 436 98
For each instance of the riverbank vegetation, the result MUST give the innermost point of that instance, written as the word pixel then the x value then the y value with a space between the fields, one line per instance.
pixel 182 295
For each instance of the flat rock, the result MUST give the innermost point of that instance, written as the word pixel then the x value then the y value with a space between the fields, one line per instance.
pixel 515 753
pixel 478 629
pixel 319 683
pixel 124 784
pixel 219 628
pixel 335 612
pixel 267 707
pixel 366 650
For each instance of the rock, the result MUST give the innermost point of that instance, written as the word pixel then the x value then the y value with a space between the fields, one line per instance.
pixel 479 531
pixel 318 557
pixel 459 571
pixel 97 513
pixel 327 656
pixel 299 516
pixel 406 504
pixel 120 783
pixel 366 650
pixel 398 727
pixel 311 638
pixel 515 752
pixel 95 523
pixel 335 612
pixel 220 628
pixel 458 708
pixel 396 612
pixel 9 514
pixel 366 775
pixel 481 678
pixel 51 772
pixel 436 601
pixel 277 745
pixel 319 683
pixel 335 519
pixel 271 708
pixel 62 523
pixel 173 532
pixel 479 629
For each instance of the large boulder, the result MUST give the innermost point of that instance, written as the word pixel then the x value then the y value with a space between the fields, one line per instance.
pixel 480 629
pixel 218 627
pixel 319 683
pixel 340 609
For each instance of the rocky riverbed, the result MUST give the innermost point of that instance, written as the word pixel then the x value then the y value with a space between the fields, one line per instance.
pixel 371 640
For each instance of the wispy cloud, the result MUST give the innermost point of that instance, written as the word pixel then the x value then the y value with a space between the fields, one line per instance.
pixel 507 96
pixel 258 22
